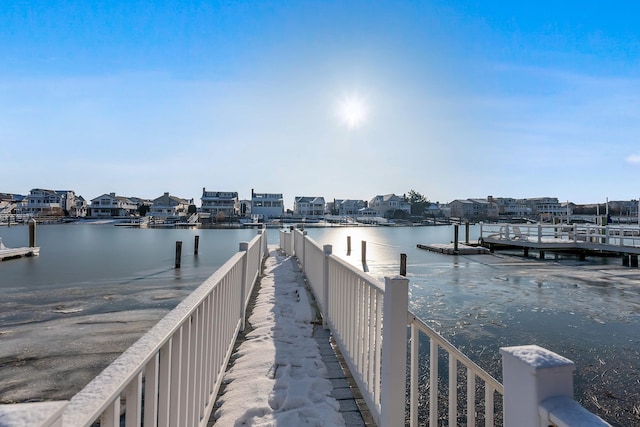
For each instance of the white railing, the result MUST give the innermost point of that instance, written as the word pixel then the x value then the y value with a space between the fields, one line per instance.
pixel 175 370
pixel 624 236
pixel 369 322
pixel 471 406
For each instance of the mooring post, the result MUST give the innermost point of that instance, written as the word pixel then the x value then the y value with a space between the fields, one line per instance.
pixel 455 238
pixel 466 231
pixel 364 253
pixel 403 265
pixel 348 245
pixel 178 253
pixel 32 233
pixel 196 243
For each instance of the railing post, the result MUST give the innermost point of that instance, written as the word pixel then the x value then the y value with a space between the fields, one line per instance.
pixel 263 247
pixel 304 251
pixel 539 233
pixel 244 247
pixel 394 351
pixel 327 249
pixel 532 374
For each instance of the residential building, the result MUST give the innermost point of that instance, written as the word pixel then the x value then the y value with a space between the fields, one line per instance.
pixel 42 202
pixel 309 207
pixel 386 205
pixel 510 207
pixel 545 206
pixel 473 209
pixel 170 207
pixel 267 206
pixel 349 207
pixel 219 205
pixel 111 206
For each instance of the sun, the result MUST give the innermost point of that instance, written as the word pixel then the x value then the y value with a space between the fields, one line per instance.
pixel 352 111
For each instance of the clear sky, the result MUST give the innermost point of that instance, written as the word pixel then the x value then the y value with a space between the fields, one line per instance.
pixel 341 99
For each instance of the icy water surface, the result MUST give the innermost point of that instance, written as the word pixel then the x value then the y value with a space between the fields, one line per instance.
pixel 92 292
pixel 588 311
pixel 96 288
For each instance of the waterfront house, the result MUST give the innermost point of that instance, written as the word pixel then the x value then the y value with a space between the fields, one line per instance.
pixel 42 202
pixel 349 207
pixel 386 205
pixel 266 206
pixel 473 209
pixel 309 207
pixel 112 206
pixel 170 207
pixel 219 205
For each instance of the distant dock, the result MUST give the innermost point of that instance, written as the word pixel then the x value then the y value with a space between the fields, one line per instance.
pixel 11 253
pixel 449 249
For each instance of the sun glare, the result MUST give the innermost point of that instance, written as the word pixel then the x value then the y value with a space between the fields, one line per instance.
pixel 353 112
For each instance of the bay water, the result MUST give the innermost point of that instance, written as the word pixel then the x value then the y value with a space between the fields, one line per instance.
pixel 95 288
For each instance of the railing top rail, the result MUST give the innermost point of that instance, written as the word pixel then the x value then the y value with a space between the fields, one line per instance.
pixel 94 398
pixel 361 274
pixel 412 319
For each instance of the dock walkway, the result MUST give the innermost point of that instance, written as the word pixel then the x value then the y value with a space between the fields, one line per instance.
pixel 284 367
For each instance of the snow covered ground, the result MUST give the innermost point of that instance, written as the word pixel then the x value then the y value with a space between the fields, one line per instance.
pixel 278 376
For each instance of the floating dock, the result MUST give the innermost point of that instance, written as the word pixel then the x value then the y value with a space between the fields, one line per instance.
pixel 11 253
pixel 449 249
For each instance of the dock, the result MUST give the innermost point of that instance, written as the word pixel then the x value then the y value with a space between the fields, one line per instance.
pixel 12 253
pixel 449 249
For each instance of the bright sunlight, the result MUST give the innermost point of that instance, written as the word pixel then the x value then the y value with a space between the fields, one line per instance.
pixel 352 111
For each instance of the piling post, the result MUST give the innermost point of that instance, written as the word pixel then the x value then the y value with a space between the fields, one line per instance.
pixel 32 233
pixel 403 265
pixel 364 253
pixel 348 245
pixel 633 262
pixel 196 243
pixel 455 238
pixel 466 232
pixel 178 253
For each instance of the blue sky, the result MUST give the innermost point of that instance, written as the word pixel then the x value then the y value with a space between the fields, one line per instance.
pixel 458 99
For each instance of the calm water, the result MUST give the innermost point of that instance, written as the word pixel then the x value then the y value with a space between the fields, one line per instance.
pixel 91 277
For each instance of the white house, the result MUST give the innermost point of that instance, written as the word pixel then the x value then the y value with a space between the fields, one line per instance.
pixel 386 205
pixel 309 207
pixel 266 205
pixel 170 207
pixel 350 207
pixel 112 206
pixel 42 202
pixel 219 204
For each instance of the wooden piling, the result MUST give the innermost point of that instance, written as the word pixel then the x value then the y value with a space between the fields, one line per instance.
pixel 403 265
pixel 466 232
pixel 32 233
pixel 178 253
pixel 364 252
pixel 196 243
pixel 348 245
pixel 455 238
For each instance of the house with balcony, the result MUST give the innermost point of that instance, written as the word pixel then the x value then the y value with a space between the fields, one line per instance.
pixel 386 205
pixel 111 206
pixel 349 207
pixel 266 206
pixel 309 207
pixel 42 202
pixel 170 207
pixel 219 205
pixel 473 209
